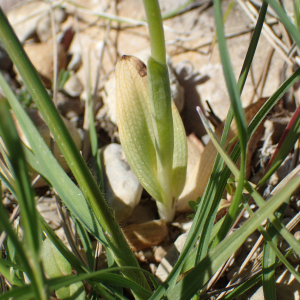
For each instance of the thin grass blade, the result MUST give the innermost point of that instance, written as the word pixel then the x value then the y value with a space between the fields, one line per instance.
pixel 25 196
pixel 197 277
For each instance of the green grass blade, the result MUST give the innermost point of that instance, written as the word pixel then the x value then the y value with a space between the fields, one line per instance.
pixel 25 196
pixel 296 14
pixel 287 140
pixel 197 277
pixel 268 273
pixel 291 29
pixel 86 244
pixel 223 180
pixel 284 232
pixel 103 276
pixel 287 84
pixel 238 114
pixel 230 80
pixel 277 224
pixel 274 246
pixel 47 165
pixel 242 288
pixel 252 47
pixel 6 272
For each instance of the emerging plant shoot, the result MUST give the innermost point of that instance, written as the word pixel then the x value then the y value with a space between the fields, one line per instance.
pixel 151 131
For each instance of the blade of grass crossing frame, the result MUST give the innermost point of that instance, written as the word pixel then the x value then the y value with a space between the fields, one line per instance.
pixel 273 245
pixel 86 244
pixel 239 290
pixel 199 216
pixel 287 141
pixel 106 276
pixel 230 80
pixel 195 230
pixel 241 82
pixel 202 213
pixel 268 267
pixel 269 258
pixel 73 260
pixel 25 196
pixel 196 278
pixel 58 177
pixel 238 114
pixel 49 167
pixel 252 47
pixel 287 235
pixel 227 12
pixel 101 213
pixel 291 29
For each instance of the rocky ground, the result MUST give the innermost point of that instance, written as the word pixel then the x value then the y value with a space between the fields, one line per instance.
pixel 90 37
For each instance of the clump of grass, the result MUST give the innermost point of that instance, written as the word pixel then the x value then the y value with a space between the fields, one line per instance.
pixel 207 246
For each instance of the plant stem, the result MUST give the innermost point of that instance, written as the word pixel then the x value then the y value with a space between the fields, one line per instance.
pixel 160 97
pixel 156 33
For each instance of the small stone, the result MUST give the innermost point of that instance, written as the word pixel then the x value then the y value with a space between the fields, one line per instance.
pixel 159 253
pixel 297 235
pixel 44 28
pixel 73 86
pixel 24 18
pixel 44 25
pixel 246 214
pixel 69 107
pixel 153 268
pixel 75 62
pixel 144 255
pixel 122 189
pixel 167 263
pixel 145 235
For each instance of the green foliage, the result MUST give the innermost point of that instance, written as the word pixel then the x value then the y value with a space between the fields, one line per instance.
pixel 155 144
pixel 55 265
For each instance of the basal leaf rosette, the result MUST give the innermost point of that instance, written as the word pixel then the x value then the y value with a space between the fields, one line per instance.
pixel 151 131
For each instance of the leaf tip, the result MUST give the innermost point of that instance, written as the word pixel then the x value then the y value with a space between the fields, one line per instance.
pixel 136 63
